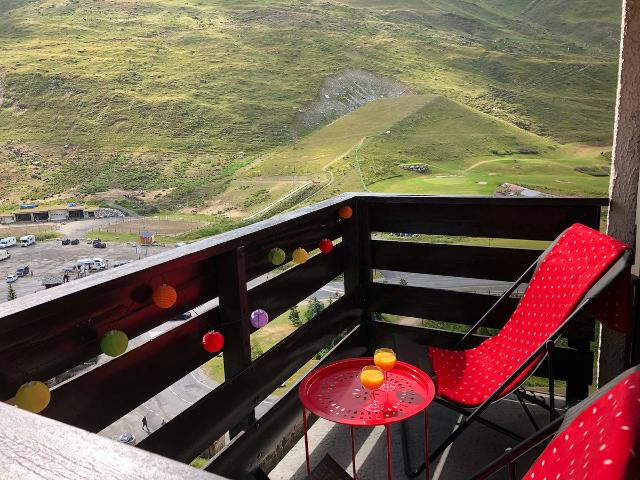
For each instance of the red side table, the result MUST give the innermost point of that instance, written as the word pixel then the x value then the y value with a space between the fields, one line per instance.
pixel 334 392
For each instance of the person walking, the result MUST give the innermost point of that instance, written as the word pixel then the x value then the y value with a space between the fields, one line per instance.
pixel 145 425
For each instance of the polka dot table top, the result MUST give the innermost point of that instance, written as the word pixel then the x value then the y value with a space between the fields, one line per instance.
pixel 577 260
pixel 600 443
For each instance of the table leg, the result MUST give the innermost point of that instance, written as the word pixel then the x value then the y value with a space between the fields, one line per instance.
pixel 353 452
pixel 306 440
pixel 426 442
pixel 388 451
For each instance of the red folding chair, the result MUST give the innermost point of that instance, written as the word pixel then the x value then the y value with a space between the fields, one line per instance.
pixel 598 439
pixel 567 278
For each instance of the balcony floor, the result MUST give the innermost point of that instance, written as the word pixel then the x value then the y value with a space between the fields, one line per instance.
pixel 474 449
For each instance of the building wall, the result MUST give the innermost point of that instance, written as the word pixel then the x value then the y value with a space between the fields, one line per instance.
pixel 58 215
pixel 623 192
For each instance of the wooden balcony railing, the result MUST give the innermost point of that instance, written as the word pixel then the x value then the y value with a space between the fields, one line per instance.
pixel 45 334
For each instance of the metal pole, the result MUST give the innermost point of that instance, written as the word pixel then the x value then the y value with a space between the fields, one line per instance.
pixel 306 440
pixel 353 452
pixel 388 451
pixel 426 442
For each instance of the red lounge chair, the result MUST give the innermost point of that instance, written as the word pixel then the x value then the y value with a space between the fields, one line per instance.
pixel 567 278
pixel 599 439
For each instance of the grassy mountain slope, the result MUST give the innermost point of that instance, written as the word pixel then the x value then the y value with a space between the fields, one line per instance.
pixel 177 97
pixel 464 150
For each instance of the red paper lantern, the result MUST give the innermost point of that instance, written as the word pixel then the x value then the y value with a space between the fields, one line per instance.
pixel 165 296
pixel 345 212
pixel 325 245
pixel 212 341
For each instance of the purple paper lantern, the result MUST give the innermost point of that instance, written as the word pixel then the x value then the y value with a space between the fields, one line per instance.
pixel 259 318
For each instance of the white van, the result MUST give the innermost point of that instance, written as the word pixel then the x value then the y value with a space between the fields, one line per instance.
pixel 7 242
pixel 27 240
pixel 98 264
pixel 4 254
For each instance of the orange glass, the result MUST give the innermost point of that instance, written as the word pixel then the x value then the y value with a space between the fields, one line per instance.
pixel 372 378
pixel 385 358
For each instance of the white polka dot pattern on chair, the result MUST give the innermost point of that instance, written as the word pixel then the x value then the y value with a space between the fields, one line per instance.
pixel 567 272
pixel 601 443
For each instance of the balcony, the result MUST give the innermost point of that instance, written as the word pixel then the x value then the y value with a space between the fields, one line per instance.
pixel 460 253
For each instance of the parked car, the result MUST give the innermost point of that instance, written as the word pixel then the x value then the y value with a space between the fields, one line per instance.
pixel 99 245
pixel 12 277
pixel 22 271
pixel 66 241
pixel 4 254
pixel 75 241
pixel 128 438
pixel 98 264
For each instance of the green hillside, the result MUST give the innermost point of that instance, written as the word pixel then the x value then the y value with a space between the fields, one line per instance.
pixel 460 150
pixel 180 98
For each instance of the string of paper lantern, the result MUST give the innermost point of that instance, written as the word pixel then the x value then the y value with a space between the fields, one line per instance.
pixel 35 396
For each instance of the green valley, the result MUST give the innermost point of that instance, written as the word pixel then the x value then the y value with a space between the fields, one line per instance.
pixel 241 109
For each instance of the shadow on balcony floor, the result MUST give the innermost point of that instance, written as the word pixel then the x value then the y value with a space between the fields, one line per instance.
pixel 474 449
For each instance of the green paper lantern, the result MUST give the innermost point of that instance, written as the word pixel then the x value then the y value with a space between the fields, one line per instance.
pixel 276 256
pixel 114 343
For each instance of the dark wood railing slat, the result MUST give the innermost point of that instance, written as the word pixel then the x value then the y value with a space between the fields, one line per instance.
pixel 492 263
pixel 437 304
pixel 507 219
pixel 234 320
pixel 213 415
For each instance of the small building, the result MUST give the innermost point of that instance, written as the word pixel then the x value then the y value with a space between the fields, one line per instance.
pixel 58 215
pixel 6 218
pixel 53 213
pixel 52 279
pixel 23 216
pixel 147 238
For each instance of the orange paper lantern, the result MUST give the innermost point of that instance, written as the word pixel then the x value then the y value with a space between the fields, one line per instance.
pixel 345 212
pixel 165 296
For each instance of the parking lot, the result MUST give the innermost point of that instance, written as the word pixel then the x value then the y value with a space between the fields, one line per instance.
pixel 51 256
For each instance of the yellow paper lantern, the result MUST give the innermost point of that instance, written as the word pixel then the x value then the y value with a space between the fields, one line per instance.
pixel 300 255
pixel 33 396
pixel 165 296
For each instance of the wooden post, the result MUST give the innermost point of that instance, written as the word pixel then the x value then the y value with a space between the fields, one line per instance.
pixel 356 238
pixel 623 190
pixel 234 320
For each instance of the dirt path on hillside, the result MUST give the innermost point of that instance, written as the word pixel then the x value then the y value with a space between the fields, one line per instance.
pixel 494 160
